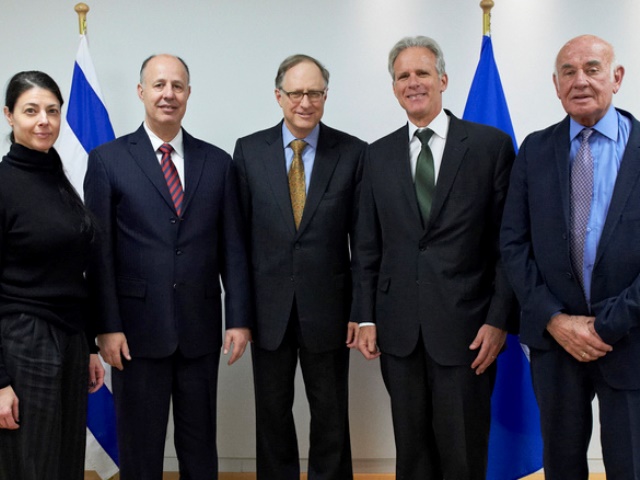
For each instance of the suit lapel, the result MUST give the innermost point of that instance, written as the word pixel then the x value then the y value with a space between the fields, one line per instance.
pixel 142 153
pixel 626 181
pixel 275 168
pixel 454 151
pixel 397 168
pixel 193 167
pixel 324 165
pixel 561 148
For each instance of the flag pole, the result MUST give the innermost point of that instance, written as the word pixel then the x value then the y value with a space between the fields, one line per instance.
pixel 486 6
pixel 82 9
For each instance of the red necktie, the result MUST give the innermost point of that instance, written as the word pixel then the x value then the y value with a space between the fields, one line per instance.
pixel 171 177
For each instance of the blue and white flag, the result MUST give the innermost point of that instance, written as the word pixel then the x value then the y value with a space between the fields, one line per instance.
pixel 515 443
pixel 87 125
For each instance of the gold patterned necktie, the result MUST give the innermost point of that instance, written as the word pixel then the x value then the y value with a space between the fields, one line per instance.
pixel 296 181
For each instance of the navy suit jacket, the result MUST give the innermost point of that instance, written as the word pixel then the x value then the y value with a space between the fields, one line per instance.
pixel 444 279
pixel 313 264
pixel 157 278
pixel 535 242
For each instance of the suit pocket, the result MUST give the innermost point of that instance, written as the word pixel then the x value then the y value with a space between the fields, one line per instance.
pixel 336 195
pixel 131 287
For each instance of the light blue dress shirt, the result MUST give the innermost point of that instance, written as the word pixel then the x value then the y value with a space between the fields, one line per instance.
pixel 308 155
pixel 607 143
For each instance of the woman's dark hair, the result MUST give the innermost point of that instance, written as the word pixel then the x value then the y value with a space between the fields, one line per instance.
pixel 22 82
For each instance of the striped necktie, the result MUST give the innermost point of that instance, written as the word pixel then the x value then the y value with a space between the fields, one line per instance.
pixel 171 176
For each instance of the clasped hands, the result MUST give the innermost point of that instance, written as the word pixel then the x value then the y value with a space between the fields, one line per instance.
pixel 578 336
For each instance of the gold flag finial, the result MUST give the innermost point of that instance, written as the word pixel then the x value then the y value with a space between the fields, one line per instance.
pixel 486 6
pixel 82 9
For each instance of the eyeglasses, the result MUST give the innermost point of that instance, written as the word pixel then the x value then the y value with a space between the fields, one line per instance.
pixel 312 95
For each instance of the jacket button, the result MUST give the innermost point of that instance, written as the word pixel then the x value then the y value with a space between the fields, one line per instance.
pixel 178 252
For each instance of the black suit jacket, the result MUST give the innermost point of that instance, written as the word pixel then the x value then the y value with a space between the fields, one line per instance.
pixel 535 243
pixel 444 279
pixel 312 264
pixel 157 277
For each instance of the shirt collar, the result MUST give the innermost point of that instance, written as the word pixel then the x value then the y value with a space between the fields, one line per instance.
pixel 177 143
pixel 439 125
pixel 311 139
pixel 607 125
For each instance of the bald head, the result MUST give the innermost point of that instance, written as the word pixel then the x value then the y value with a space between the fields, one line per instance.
pixel 586 77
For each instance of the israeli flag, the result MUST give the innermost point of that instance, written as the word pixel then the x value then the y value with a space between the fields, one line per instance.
pixel 86 126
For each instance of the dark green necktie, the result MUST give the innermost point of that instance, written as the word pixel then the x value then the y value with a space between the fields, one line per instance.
pixel 425 175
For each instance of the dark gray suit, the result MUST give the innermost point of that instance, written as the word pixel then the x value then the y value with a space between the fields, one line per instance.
pixel 158 281
pixel 302 283
pixel 430 289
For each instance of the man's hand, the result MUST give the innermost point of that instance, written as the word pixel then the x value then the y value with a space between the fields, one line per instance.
pixel 9 412
pixel 577 335
pixel 239 338
pixel 352 335
pixel 490 341
pixel 367 342
pixel 96 373
pixel 113 346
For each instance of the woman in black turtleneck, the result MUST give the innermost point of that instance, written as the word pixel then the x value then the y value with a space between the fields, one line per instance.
pixel 45 239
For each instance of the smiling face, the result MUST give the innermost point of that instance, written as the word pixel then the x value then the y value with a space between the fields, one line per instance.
pixel 301 117
pixel 35 119
pixel 164 91
pixel 417 85
pixel 585 79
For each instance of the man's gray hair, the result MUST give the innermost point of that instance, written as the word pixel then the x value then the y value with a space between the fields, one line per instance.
pixel 294 60
pixel 417 41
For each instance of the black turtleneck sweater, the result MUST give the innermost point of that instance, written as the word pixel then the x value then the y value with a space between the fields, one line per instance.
pixel 43 251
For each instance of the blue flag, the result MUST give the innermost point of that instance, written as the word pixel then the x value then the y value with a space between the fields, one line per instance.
pixel 515 443
pixel 87 125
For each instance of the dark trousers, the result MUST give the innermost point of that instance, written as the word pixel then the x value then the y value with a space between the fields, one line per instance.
pixel 143 392
pixel 49 371
pixel 441 417
pixel 564 390
pixel 326 377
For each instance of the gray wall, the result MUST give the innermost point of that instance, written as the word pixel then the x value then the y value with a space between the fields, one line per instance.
pixel 233 49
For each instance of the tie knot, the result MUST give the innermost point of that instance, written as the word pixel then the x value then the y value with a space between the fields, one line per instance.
pixel 586 133
pixel 298 146
pixel 424 135
pixel 166 149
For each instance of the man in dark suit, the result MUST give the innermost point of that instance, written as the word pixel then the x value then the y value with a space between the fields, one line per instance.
pixel 569 242
pixel 168 208
pixel 435 300
pixel 300 209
